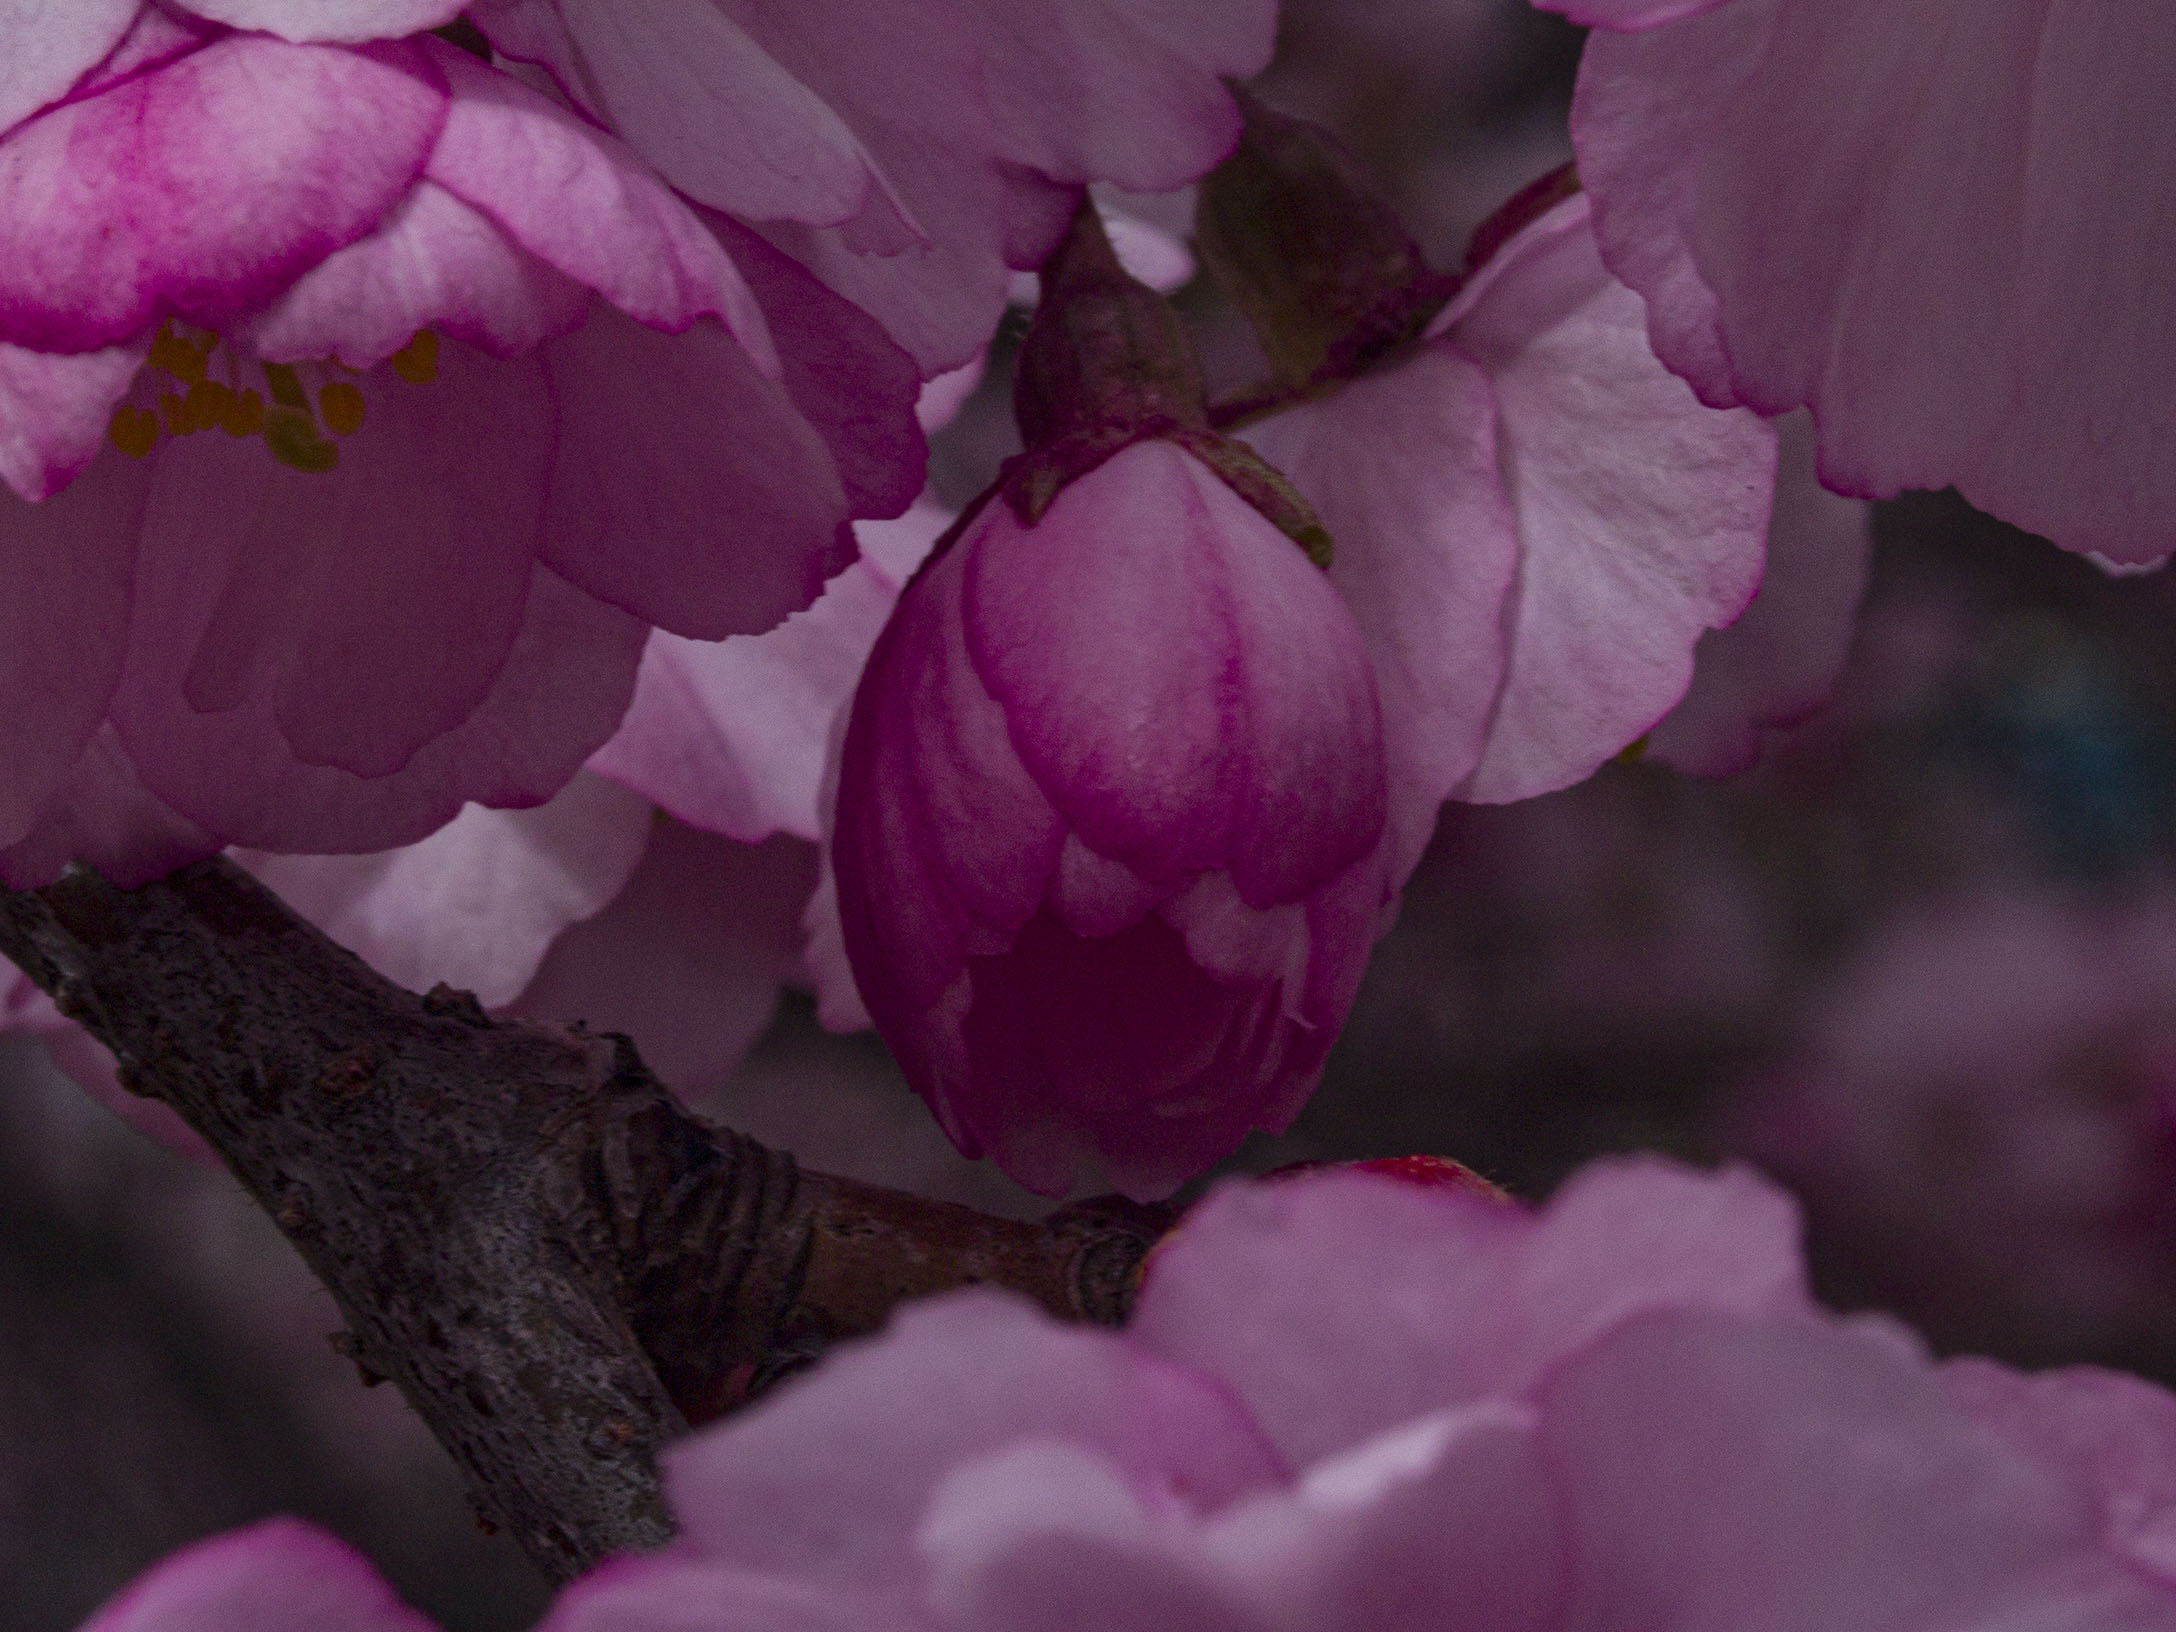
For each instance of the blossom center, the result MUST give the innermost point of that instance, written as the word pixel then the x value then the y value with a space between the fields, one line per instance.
pixel 196 382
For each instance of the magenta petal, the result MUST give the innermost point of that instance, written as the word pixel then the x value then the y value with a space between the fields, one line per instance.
pixel 54 411
pixel 1971 278
pixel 577 199
pixel 348 20
pixel 51 46
pixel 1402 467
pixel 1641 513
pixel 101 814
pixel 1779 662
pixel 1802 1477
pixel 278 1576
pixel 478 903
pixel 1185 687
pixel 830 1482
pixel 203 187
pixel 687 487
pixel 68 564
pixel 1461 1299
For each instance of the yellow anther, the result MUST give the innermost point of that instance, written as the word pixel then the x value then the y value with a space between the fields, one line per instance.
pixel 1635 751
pixel 286 387
pixel 417 361
pixel 342 407
pixel 175 411
pixel 135 431
pixel 243 414
pixel 292 436
pixel 206 404
pixel 177 356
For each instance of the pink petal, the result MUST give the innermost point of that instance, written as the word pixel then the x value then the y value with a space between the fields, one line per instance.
pixel 102 815
pixel 478 903
pixel 1144 640
pixel 1628 14
pixel 1796 1475
pixel 203 187
pixel 373 606
pixel 68 565
pixel 348 20
pixel 435 263
pixel 1969 279
pixel 733 735
pixel 278 1576
pixel 1402 468
pixel 1340 1306
pixel 687 487
pixel 52 46
pixel 676 1591
pixel 689 957
pixel 54 412
pixel 829 1481
pixel 1780 661
pixel 1640 512
pixel 824 965
pixel 577 199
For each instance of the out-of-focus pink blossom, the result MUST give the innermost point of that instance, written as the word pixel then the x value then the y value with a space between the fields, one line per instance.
pixel 1109 820
pixel 279 1576
pixel 1781 660
pixel 913 153
pixel 346 479
pixel 1347 1404
pixel 1937 224
pixel 1535 523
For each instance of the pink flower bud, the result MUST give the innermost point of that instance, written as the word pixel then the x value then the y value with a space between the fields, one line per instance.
pixel 1110 814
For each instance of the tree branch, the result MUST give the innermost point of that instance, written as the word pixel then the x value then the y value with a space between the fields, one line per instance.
pixel 559 1268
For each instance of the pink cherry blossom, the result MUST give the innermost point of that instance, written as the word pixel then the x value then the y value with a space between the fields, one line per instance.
pixel 1349 1404
pixel 1109 815
pixel 1535 524
pixel 1938 225
pixel 279 1576
pixel 911 152
pixel 484 387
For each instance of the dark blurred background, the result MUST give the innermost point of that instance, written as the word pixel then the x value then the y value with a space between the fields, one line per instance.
pixel 1921 965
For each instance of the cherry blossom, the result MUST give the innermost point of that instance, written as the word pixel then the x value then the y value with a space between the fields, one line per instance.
pixel 1938 225
pixel 1349 1402
pixel 1108 820
pixel 348 480
pixel 279 1576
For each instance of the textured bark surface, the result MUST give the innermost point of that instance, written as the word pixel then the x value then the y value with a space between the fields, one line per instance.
pixel 559 1268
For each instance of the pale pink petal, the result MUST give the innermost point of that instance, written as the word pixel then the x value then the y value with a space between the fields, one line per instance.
pixel 478 903
pixel 1969 277
pixel 689 958
pixel 102 815
pixel 1803 1477
pixel 943 397
pixel 830 1483
pixel 54 411
pixel 576 198
pixel 435 263
pixel 1778 662
pixel 69 565
pixel 1462 1298
pixel 686 487
pixel 677 1591
pixel 1145 250
pixel 347 20
pixel 51 45
pixel 1628 14
pixel 278 1576
pixel 369 608
pixel 824 966
pixel 1640 512
pixel 732 735
pixel 706 104
pixel 1402 468
pixel 204 187
pixel 1138 641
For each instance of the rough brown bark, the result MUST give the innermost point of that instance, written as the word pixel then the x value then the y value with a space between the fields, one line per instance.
pixel 559 1268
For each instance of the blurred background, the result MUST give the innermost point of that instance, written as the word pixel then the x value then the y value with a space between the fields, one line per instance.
pixel 1920 965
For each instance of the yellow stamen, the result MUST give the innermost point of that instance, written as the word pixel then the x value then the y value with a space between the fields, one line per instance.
pixel 1635 751
pixel 207 404
pixel 286 387
pixel 244 414
pixel 292 437
pixel 417 361
pixel 342 407
pixel 177 356
pixel 175 411
pixel 135 431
